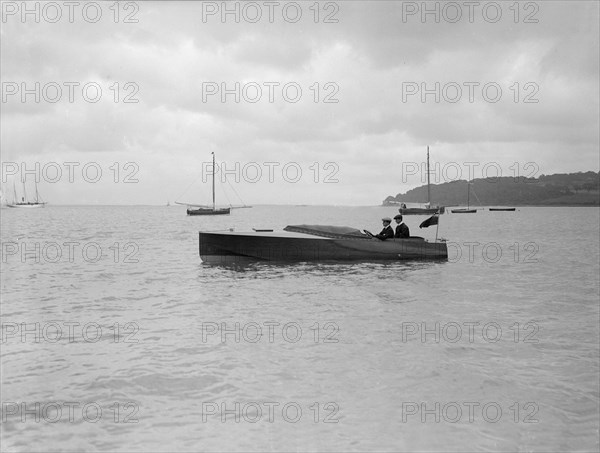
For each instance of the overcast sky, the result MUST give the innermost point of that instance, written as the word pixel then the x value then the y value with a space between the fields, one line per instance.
pixel 330 105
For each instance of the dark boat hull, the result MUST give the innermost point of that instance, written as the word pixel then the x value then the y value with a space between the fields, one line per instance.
pixel 502 209
pixel 204 211
pixel 26 205
pixel 421 211
pixel 228 247
pixel 464 211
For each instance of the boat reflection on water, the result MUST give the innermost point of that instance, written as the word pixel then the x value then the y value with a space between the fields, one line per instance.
pixel 253 268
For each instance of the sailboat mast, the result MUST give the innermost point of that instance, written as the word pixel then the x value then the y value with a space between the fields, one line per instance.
pixel 24 192
pixel 36 193
pixel 15 199
pixel 468 193
pixel 428 187
pixel 213 181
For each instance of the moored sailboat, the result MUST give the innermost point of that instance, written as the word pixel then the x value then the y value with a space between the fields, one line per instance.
pixel 467 210
pixel 25 203
pixel 194 209
pixel 427 210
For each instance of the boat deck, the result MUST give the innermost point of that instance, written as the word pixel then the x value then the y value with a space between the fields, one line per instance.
pixel 269 234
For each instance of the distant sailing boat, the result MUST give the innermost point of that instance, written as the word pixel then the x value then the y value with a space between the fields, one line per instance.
pixel 428 210
pixel 26 204
pixel 206 210
pixel 463 210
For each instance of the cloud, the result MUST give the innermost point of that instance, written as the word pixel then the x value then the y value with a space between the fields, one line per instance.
pixel 355 64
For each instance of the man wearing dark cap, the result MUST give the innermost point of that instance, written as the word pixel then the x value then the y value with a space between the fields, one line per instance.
pixel 402 230
pixel 387 232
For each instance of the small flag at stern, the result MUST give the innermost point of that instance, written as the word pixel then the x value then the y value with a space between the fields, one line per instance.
pixel 433 220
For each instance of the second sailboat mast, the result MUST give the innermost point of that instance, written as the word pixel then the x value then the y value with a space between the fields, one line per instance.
pixel 213 180
pixel 428 187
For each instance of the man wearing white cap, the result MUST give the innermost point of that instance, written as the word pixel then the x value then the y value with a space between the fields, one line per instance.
pixel 388 231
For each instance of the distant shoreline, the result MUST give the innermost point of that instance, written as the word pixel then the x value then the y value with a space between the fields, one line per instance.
pixel 573 189
pixel 50 205
pixel 515 205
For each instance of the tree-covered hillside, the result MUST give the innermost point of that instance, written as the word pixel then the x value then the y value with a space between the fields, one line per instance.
pixel 571 189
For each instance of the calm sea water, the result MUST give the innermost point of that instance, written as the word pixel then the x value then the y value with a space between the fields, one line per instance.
pixel 122 340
